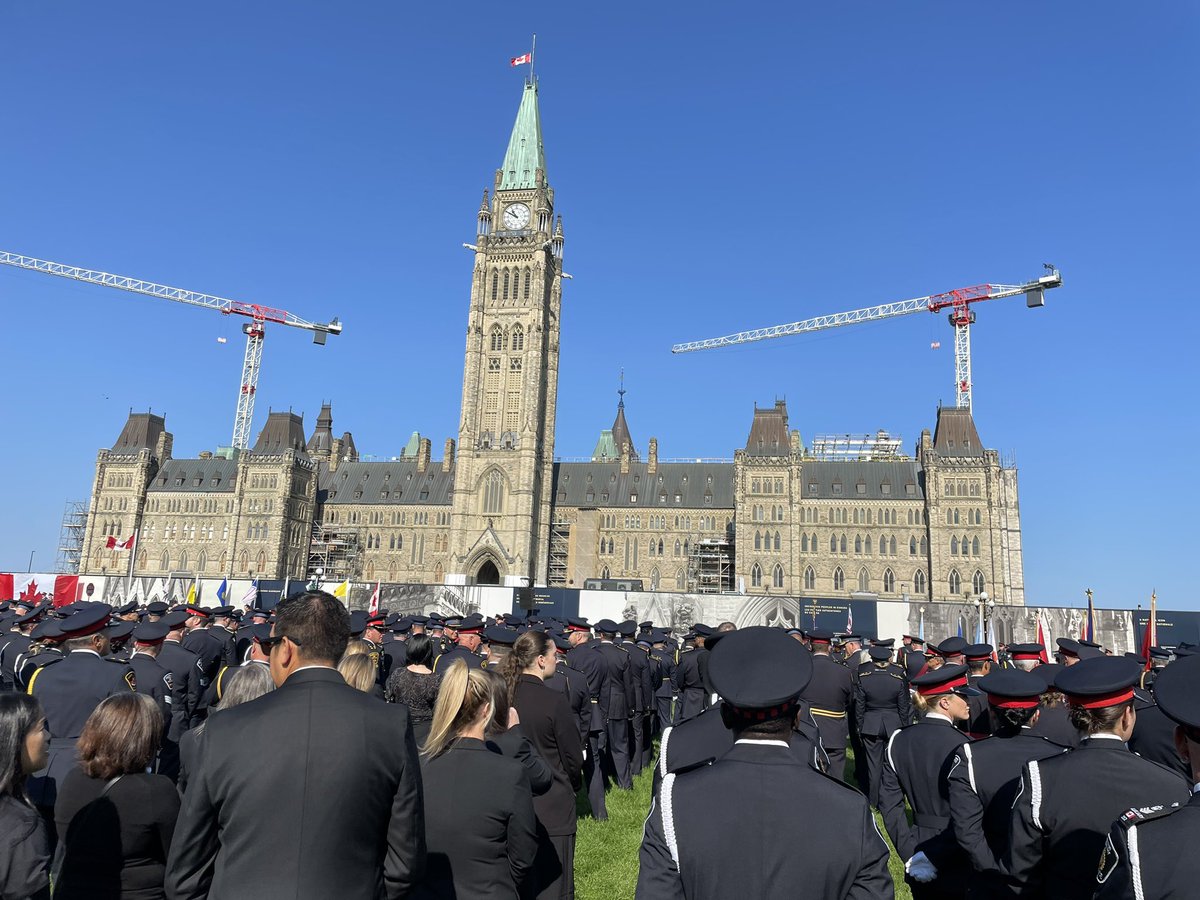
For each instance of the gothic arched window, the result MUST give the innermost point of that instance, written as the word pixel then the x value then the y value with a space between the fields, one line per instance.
pixel 843 543
pixel 864 580
pixel 974 546
pixel 506 284
pixel 518 338
pixel 493 493
pixel 804 543
pixel 955 582
pixel 889 582
pixel 810 579
pixel 495 284
pixel 839 579
pixel 755 576
pixel 757 540
pixel 919 582
pixel 954 546
pixel 497 337
pixel 777 576
pixel 165 561
pixel 977 584
pixel 833 543
pixel 526 294
pixel 778 543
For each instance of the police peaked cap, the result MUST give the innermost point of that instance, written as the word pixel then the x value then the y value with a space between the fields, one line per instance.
pixel 759 668
pixel 952 646
pixel 1012 689
pixel 119 630
pixel 150 632
pixel 1099 682
pixel 86 621
pixel 1177 691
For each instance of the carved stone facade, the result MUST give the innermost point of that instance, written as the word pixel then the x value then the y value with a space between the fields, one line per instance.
pixel 497 509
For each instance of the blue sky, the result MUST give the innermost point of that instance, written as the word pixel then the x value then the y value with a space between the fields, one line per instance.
pixel 718 167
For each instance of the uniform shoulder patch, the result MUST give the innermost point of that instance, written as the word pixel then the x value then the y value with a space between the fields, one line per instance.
pixel 1109 860
pixel 131 679
pixel 1141 814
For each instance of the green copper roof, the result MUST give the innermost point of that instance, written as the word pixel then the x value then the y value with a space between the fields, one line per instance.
pixel 525 153
pixel 606 447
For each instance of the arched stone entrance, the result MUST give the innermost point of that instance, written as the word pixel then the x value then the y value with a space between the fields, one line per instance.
pixel 487 573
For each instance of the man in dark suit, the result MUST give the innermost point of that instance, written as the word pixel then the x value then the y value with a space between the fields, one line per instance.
pixel 619 705
pixel 336 817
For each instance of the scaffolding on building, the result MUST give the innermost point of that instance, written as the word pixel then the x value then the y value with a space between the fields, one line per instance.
pixel 334 555
pixel 710 566
pixel 880 445
pixel 560 544
pixel 70 537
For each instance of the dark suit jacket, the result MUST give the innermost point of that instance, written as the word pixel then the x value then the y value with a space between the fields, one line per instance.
pixel 317 778
pixel 481 831
pixel 552 727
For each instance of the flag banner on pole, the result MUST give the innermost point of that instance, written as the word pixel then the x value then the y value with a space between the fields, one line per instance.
pixel 191 597
pixel 342 591
pixel 39 588
pixel 1041 638
pixel 223 590
pixel 374 607
pixel 251 596
pixel 113 544
pixel 850 619
pixel 521 60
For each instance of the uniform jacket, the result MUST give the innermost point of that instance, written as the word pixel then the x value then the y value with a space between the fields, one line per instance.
pixel 609 675
pixel 687 680
pixel 1153 737
pixel 643 676
pixel 983 782
pixel 12 645
pixel 338 812
pixel 154 681
pixel 481 832
pixel 666 667
pixel 1054 722
pixel 554 730
pixel 70 690
pixel 442 664
pixel 584 659
pixel 1065 807
pixel 185 680
pixel 916 764
pixel 210 650
pixel 881 701
pixel 749 847
pixel 573 685
pixel 1151 853
pixel 979 721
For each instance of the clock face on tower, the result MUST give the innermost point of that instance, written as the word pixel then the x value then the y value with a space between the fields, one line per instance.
pixel 516 216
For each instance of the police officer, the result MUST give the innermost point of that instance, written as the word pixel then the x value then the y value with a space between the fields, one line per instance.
pixel 71 689
pixel 16 643
pixel 44 649
pixel 574 684
pixel 881 707
pixel 829 696
pixel 621 702
pixel 583 658
pixel 1067 803
pixel 766 797
pixel 664 693
pixel 979 664
pixel 186 671
pixel 1151 850
pixel 688 680
pixel 912 656
pixel 985 775
pixel 470 636
pixel 639 665
pixel 207 648
pixel 916 763
pixel 153 678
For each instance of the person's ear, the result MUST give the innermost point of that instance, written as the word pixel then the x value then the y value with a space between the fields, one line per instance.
pixel 1181 744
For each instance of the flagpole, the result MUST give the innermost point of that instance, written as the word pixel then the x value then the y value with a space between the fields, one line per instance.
pixel 132 557
pixel 532 59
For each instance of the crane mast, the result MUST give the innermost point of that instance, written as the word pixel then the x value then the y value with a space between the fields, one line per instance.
pixel 254 329
pixel 961 316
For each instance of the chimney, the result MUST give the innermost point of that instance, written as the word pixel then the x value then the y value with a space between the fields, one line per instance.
pixel 162 448
pixel 797 447
pixel 335 454
pixel 652 459
pixel 448 455
pixel 206 454
pixel 424 451
pixel 625 457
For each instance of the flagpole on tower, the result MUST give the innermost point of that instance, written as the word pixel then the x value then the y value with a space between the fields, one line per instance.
pixel 132 557
pixel 532 57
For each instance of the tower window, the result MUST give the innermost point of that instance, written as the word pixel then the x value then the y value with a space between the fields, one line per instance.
pixel 495 284
pixel 493 493
pixel 506 284
pixel 497 338
pixel 527 280
pixel 518 338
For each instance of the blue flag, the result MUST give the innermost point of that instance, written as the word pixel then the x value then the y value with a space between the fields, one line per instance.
pixel 960 627
pixel 221 591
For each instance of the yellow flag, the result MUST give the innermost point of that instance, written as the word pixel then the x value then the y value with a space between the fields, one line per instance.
pixel 191 597
pixel 342 591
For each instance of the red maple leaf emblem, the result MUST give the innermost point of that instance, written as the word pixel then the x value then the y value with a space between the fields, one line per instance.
pixel 31 593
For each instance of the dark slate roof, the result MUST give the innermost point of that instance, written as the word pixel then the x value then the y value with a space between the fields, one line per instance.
pixel 395 483
pixel 142 430
pixel 769 432
pixel 321 442
pixel 955 434
pixel 690 480
pixel 184 475
pixel 871 474
pixel 620 433
pixel 283 431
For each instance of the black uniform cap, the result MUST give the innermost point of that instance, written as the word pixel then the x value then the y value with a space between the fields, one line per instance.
pixel 358 622
pixel 175 619
pixel 150 632
pixel 561 644
pixel 978 651
pixel 259 632
pixel 1026 651
pixel 946 680
pixel 125 610
pixel 607 626
pixel 888 644
pixel 157 608
pixel 657 636
pixel 498 634
pixel 86 621
pixel 852 638
pixel 759 668
pixel 701 629
pixel 47 630
pixel 952 646
pixel 1177 691
pixel 577 624
pixel 119 630
pixel 403 625
pixel 879 654
pixel 646 626
pixel 821 636
pixel 419 620
pixel 1100 682
pixel 224 612
pixel 1160 653
pixel 1048 672
pixel 628 628
pixel 1092 644
pixel 39 610
pixel 1012 689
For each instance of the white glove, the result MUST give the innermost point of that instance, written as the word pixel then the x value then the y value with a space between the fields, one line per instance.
pixel 919 868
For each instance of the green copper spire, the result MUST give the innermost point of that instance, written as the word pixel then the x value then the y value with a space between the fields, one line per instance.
pixel 525 154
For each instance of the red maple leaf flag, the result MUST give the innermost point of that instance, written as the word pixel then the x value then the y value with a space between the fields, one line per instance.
pixel 521 60
pixel 113 544
pixel 374 607
pixel 37 588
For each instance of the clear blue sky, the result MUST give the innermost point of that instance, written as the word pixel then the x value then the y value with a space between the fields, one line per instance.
pixel 718 167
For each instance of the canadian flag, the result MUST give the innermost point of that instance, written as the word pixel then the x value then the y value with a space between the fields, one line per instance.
pixel 62 589
pixel 521 60
pixel 374 607
pixel 113 544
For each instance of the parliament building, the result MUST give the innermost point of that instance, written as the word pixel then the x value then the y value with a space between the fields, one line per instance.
pixel 828 520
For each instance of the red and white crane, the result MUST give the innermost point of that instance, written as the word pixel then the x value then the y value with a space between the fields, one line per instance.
pixel 254 329
pixel 959 302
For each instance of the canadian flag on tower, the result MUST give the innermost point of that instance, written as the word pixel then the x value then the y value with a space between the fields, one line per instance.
pixel 521 60
pixel 31 588
pixel 113 544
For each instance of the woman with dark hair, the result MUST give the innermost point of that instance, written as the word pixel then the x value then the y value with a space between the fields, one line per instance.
pixel 24 842
pixel 480 835
pixel 415 685
pixel 551 726
pixel 116 821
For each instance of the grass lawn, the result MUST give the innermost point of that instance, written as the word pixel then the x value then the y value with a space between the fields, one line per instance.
pixel 606 853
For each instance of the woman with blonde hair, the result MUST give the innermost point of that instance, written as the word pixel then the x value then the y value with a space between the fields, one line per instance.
pixel 245 683
pixel 360 672
pixel 480 836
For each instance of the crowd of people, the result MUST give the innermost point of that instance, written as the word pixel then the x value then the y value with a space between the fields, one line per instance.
pixel 311 752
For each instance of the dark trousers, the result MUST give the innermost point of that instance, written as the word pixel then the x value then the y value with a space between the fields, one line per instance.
pixel 554 867
pixel 637 740
pixel 873 749
pixel 648 730
pixel 593 773
pixel 618 753
pixel 666 717
pixel 860 760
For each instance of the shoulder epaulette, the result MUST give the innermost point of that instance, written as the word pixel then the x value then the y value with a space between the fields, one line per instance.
pixel 1139 815
pixel 897 675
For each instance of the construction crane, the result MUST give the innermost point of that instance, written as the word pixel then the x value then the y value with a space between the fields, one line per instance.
pixel 254 329
pixel 959 302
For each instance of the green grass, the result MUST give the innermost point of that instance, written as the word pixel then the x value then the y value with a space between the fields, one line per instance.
pixel 606 853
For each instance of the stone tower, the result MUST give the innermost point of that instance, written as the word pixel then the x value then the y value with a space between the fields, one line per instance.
pixel 502 485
